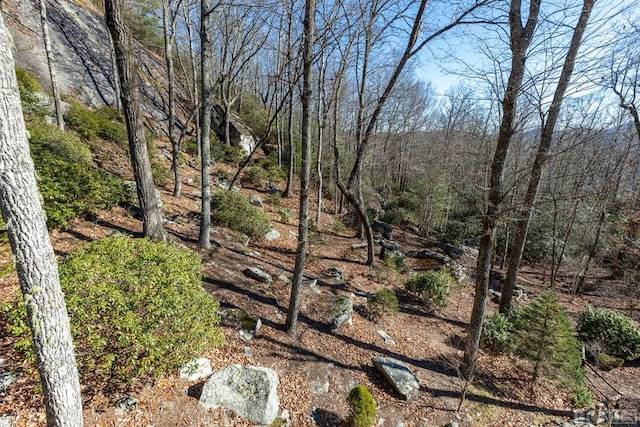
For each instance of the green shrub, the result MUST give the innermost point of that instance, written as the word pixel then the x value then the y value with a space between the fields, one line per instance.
pixel 285 215
pixel 382 303
pixel 431 287
pixel 254 114
pixel 231 209
pixel 161 174
pixel 617 334
pixel 337 226
pixel 29 87
pixel 459 232
pixel 225 153
pixel 498 334
pixel 105 123
pixel 362 407
pixel 137 309
pixel 264 170
pixel 69 185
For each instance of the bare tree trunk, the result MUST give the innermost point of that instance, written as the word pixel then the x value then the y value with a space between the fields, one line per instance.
pixel 129 83
pixel 206 65
pixel 305 172
pixel 34 258
pixel 542 155
pixel 169 27
pixel 520 41
pixel 57 102
pixel 291 155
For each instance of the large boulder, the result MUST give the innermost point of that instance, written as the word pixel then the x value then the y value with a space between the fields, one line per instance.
pixel 398 375
pixel 240 134
pixel 383 229
pixel 250 391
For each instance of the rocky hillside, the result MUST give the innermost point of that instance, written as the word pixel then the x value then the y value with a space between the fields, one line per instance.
pixel 82 54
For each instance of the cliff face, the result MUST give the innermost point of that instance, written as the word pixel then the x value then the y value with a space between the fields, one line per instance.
pixel 82 55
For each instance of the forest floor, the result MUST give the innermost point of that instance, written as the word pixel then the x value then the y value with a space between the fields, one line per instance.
pixel 318 367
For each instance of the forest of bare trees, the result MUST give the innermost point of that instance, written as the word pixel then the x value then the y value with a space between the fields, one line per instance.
pixel 531 156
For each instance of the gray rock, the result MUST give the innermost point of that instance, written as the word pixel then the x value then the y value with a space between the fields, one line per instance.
pixel 398 375
pixel 386 338
pixel 255 200
pixel 382 228
pixel 6 421
pixel 313 285
pixel 335 272
pixel 283 277
pixel 451 424
pixel 6 379
pixel 195 369
pixel 125 404
pixel 258 274
pixel 250 391
pixel 272 235
pixel 342 311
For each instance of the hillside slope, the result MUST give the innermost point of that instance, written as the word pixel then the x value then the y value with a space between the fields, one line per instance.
pixel 82 55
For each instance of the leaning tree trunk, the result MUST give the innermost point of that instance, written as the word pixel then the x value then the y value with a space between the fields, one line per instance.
pixel 129 83
pixel 541 156
pixel 57 102
pixel 34 258
pixel 305 172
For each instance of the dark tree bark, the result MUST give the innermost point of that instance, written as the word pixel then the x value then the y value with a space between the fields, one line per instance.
pixel 305 172
pixel 129 87
pixel 34 258
pixel 542 155
pixel 520 40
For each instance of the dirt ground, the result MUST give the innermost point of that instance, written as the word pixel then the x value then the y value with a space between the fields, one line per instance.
pixel 318 367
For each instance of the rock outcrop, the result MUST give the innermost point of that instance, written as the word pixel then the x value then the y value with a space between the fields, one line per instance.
pixel 398 375
pixel 250 391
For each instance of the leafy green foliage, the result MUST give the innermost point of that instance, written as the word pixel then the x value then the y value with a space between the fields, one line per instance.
pixel 382 303
pixel 431 287
pixel 254 114
pixel 498 333
pixel 402 209
pixel 362 407
pixel 264 169
pixel 285 215
pixel 137 309
pixel 460 232
pixel 616 333
pixel 231 209
pixel 29 87
pixel 337 225
pixel 546 337
pixel 161 174
pixel 225 153
pixel 69 185
pixel 105 123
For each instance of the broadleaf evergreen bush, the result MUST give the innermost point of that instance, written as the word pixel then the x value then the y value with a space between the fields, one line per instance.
pixel 137 309
pixel 231 209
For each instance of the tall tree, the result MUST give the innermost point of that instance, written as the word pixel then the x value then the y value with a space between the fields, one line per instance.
pixel 129 88
pixel 544 145
pixel 521 35
pixel 57 102
pixel 365 126
pixel 206 106
pixel 305 172
pixel 34 257
pixel 169 19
